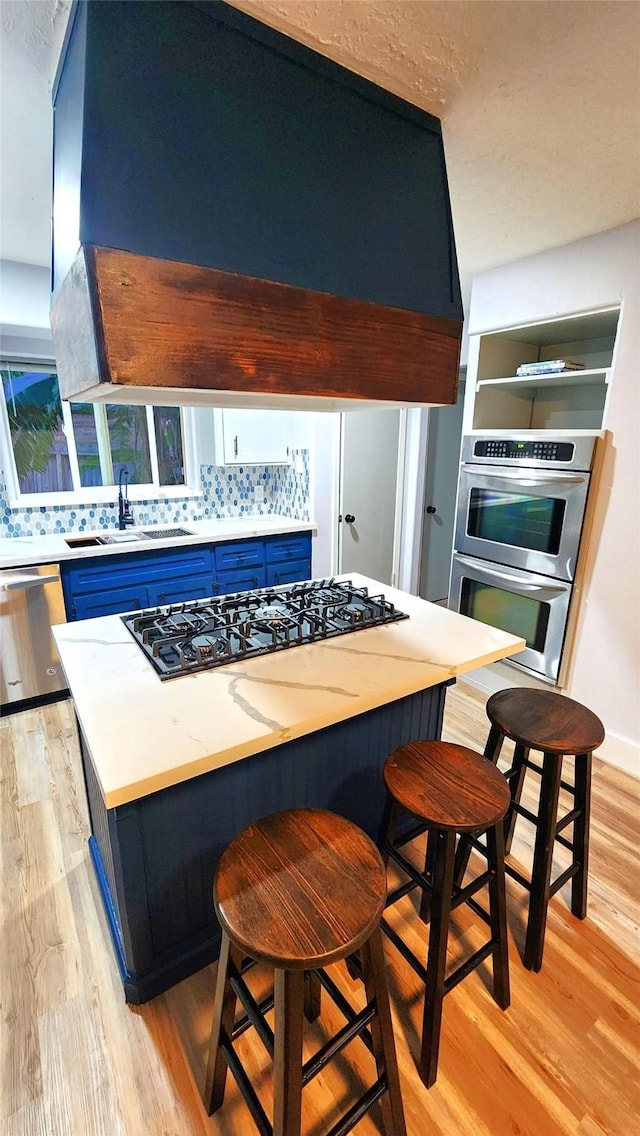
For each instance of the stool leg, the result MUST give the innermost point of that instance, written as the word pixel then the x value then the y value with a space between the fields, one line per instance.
pixel 542 860
pixel 516 781
pixel 287 1058
pixel 222 1027
pixel 437 957
pixel 492 750
pixel 387 826
pixel 498 912
pixel 581 834
pixel 312 995
pixel 384 1049
pixel 429 863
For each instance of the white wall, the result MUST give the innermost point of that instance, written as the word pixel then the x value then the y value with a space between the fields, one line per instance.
pixel 596 272
pixel 24 299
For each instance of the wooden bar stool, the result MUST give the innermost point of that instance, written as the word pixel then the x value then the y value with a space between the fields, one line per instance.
pixel 299 890
pixel 558 727
pixel 447 789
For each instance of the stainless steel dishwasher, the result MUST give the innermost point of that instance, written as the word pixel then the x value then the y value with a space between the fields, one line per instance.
pixel 31 602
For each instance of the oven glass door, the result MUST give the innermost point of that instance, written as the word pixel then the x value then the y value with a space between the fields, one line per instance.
pixel 527 520
pixel 523 603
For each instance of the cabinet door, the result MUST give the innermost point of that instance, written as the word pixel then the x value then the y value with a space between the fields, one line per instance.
pixel 283 549
pixel 256 437
pixel 240 580
pixel 177 591
pixel 239 554
pixel 110 602
pixel 287 573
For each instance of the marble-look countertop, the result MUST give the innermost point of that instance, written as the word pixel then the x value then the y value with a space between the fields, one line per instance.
pixel 18 552
pixel 145 734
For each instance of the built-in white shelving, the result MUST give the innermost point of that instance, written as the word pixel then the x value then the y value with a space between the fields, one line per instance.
pixel 564 400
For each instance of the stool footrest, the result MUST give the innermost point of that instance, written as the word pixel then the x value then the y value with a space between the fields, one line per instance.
pixel 348 1032
pixel 252 1010
pixel 244 1084
pixel 567 820
pixel 345 1007
pixel 470 964
pixel 400 892
pixel 521 811
pixel 405 951
pixel 517 876
pixel 479 910
pixel 409 834
pixel 360 1108
pixel 465 893
pixel 562 879
pixel 418 877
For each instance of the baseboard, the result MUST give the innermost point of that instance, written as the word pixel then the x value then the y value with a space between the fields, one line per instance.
pixel 621 753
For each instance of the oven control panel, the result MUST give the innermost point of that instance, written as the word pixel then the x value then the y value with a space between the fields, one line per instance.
pixel 535 449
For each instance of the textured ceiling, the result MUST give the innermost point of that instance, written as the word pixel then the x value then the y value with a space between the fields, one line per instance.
pixel 540 103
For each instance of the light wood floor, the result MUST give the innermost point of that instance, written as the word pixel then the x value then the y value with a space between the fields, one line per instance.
pixel 77 1061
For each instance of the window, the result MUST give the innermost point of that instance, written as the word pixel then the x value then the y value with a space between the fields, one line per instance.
pixel 76 448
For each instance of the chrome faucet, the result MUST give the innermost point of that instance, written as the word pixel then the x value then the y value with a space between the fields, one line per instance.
pixel 125 516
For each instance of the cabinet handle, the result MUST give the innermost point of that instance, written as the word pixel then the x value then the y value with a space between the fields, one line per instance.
pixel 235 446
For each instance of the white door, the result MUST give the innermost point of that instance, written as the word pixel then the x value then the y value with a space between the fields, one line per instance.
pixel 369 478
pixel 441 482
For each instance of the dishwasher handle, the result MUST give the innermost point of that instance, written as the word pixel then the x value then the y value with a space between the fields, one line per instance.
pixel 21 582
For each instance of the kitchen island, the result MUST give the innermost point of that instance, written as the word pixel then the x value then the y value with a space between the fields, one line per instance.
pixel 175 769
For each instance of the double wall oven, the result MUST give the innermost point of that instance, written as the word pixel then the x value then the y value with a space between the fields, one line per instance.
pixel 521 508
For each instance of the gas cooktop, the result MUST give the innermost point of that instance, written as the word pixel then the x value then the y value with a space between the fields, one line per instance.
pixel 194 636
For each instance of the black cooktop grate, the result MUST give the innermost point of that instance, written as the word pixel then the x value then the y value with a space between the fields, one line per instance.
pixel 197 635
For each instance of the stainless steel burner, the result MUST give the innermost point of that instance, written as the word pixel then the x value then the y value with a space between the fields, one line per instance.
pixel 270 614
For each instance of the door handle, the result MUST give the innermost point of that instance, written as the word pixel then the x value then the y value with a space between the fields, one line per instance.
pixel 349 518
pixel 431 508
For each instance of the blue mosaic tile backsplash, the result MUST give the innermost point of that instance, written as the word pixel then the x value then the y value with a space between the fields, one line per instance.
pixel 227 491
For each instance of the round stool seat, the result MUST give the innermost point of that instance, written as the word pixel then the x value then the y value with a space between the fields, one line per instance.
pixel 448 785
pixel 545 721
pixel 300 889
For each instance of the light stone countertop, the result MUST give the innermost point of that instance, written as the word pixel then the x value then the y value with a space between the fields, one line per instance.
pixel 145 734
pixel 19 552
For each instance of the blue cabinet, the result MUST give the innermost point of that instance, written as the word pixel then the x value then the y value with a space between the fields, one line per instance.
pixel 127 582
pixel 240 580
pixel 288 573
pixel 107 585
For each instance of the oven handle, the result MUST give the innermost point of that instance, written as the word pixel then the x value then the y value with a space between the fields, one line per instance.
pixel 524 479
pixel 505 577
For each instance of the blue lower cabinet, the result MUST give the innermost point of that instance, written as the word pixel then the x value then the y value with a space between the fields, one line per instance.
pixel 110 602
pixel 288 573
pixel 239 554
pixel 178 591
pixel 129 581
pixel 286 549
pixel 241 580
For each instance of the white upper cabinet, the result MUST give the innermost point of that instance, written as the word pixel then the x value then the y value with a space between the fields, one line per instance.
pixel 569 400
pixel 254 437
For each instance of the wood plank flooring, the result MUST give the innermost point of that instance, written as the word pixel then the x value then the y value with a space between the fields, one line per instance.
pixel 77 1061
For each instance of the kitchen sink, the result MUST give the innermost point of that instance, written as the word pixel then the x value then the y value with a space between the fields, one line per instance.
pixel 125 537
pixel 163 534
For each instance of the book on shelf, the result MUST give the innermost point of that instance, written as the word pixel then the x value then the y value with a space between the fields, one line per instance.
pixel 549 367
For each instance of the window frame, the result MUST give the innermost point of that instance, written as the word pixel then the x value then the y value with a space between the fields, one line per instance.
pixel 94 494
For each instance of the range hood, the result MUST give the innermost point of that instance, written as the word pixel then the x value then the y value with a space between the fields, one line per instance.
pixel 239 221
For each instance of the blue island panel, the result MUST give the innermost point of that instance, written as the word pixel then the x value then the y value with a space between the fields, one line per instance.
pixel 156 857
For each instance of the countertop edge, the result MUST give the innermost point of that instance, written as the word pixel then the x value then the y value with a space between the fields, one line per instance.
pixel 203 532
